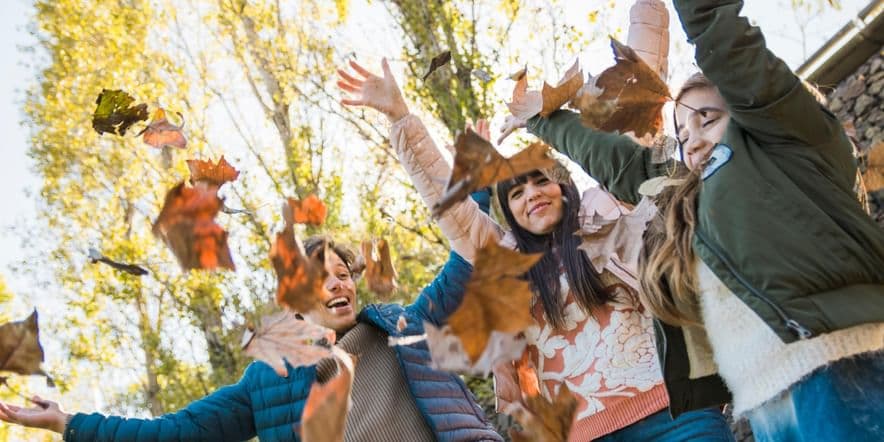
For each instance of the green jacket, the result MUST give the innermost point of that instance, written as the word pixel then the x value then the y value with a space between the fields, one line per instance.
pixel 778 221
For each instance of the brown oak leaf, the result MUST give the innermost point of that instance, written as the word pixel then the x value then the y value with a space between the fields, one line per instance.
pixel 380 275
pixel 216 174
pixel 524 104
pixel 187 225
pixel 627 97
pixel 437 62
pixel 161 133
pixel 542 420
pixel 324 418
pixel 114 112
pixel 477 164
pixel 300 278
pixel 310 210
pixel 20 349
pixel 554 97
pixel 282 337
pixel 495 298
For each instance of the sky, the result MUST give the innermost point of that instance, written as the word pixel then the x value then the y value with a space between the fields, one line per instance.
pixel 17 179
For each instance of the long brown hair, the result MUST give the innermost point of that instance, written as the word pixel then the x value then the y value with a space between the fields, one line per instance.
pixel 666 263
pixel 559 248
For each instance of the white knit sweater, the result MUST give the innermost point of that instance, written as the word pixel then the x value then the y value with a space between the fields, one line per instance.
pixel 754 363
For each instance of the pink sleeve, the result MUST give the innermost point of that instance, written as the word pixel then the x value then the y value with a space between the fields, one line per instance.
pixel 649 34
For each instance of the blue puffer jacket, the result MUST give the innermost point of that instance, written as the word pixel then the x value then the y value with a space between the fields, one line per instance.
pixel 266 405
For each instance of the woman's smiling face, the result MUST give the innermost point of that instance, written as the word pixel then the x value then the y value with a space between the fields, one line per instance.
pixel 536 204
pixel 702 117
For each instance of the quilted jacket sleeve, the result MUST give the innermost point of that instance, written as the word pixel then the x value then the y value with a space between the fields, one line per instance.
pixel 465 225
pixel 225 415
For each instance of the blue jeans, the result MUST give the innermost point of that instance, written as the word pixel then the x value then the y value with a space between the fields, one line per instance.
pixel 707 425
pixel 841 402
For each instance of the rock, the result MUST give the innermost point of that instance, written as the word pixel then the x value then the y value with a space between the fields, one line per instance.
pixel 875 88
pixel 862 103
pixel 836 104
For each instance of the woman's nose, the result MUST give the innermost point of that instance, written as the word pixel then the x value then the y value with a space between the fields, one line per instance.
pixel 332 284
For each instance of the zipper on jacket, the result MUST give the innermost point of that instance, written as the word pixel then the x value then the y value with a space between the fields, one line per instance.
pixel 801 331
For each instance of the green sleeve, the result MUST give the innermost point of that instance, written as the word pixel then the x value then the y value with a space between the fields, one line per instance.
pixel 616 161
pixel 762 93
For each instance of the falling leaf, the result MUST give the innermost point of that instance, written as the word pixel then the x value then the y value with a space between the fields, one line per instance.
pixel 554 98
pixel 132 269
pixel 300 278
pixel 379 273
pixel 482 75
pixel 627 97
pixel 310 210
pixel 160 133
pixel 495 298
pixel 401 323
pixel 873 177
pixel 324 418
pixel 114 112
pixel 20 349
pixel 542 420
pixel 437 62
pixel 477 164
pixel 216 174
pixel 187 225
pixel 525 104
pixel 282 337
pixel 608 227
pixel 447 350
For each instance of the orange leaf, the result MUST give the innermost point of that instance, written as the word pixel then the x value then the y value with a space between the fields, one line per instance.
pixel 216 174
pixel 301 279
pixel 628 96
pixel 310 210
pixel 325 413
pixel 282 337
pixel 187 225
pixel 528 383
pixel 379 273
pixel 20 349
pixel 545 421
pixel 161 133
pixel 555 97
pixel 873 177
pixel 477 164
pixel 495 298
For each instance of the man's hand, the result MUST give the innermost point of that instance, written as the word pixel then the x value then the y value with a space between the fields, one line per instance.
pixel 46 415
pixel 380 93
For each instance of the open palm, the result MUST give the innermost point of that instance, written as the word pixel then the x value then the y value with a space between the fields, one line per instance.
pixel 380 93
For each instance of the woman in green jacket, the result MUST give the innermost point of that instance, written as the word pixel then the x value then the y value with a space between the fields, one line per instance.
pixel 761 263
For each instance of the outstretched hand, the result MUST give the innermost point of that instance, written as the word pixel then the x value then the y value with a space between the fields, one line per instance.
pixel 510 125
pixel 46 415
pixel 380 93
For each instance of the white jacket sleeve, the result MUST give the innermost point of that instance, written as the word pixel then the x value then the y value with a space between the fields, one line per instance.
pixel 464 224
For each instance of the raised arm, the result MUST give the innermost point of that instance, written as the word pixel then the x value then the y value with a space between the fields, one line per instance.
pixel 763 94
pixel 616 161
pixel 465 225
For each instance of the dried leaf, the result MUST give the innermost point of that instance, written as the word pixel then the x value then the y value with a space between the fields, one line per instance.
pixel 187 225
pixel 301 278
pixel 542 421
pixel 114 112
pixel 627 97
pixel 610 228
pixel 554 98
pixel 379 273
pixel 20 349
pixel 216 174
pixel 495 298
pixel 437 62
pixel 325 413
pixel 873 177
pixel 161 133
pixel 132 269
pixel 477 164
pixel 525 104
pixel 282 337
pixel 482 75
pixel 447 350
pixel 310 210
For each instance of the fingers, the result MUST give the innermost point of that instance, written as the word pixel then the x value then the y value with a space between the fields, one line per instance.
pixel 349 87
pixel 386 67
pixel 7 413
pixel 348 102
pixel 349 79
pixel 360 70
pixel 505 132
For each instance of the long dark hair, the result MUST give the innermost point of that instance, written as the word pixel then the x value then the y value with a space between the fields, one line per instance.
pixel 558 247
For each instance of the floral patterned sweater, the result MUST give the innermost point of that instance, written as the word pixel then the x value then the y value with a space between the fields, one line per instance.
pixel 606 357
